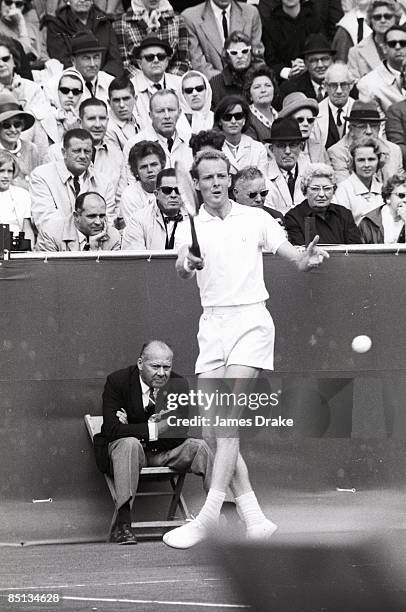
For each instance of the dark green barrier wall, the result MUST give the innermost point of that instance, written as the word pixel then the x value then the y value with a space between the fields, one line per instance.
pixel 66 324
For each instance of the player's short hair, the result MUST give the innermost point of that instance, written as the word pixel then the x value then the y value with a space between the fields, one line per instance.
pixel 213 139
pixel 161 93
pixel 79 133
pixel 80 200
pixel 122 82
pixel 90 102
pixel 317 170
pixel 212 154
pixel 142 149
pixel 394 181
pixel 162 174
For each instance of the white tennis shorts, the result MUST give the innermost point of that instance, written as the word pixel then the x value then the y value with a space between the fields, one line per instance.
pixel 235 335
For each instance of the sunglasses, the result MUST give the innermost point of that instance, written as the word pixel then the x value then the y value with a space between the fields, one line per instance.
pixel 5 58
pixel 169 190
pixel 310 120
pixel 392 44
pixel 381 16
pixel 149 57
pixel 17 124
pixel 198 88
pixel 235 52
pixel 17 3
pixel 66 90
pixel 229 116
pixel 253 194
pixel 400 195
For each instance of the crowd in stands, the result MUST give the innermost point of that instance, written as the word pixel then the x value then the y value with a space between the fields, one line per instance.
pixel 100 98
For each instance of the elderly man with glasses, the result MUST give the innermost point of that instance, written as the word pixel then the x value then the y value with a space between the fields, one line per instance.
pixel 364 120
pixel 250 190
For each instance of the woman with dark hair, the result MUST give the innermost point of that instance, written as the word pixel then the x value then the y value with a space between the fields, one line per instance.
pixel 146 160
pixel 238 56
pixel 386 224
pixel 232 118
pixel 259 90
pixel 78 16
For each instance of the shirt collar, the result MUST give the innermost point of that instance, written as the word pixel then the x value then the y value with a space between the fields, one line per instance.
pixel 236 209
pixel 218 12
pixel 144 387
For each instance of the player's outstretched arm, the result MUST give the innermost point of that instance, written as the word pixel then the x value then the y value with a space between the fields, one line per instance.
pixel 312 257
pixel 187 264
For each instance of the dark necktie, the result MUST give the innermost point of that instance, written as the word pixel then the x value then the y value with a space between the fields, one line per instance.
pixel 89 85
pixel 189 117
pixel 151 407
pixel 291 184
pixel 177 218
pixel 360 33
pixel 76 185
pixel 339 120
pixel 320 93
pixel 158 86
pixel 170 240
pixel 170 144
pixel 86 247
pixel 225 24
pixel 93 154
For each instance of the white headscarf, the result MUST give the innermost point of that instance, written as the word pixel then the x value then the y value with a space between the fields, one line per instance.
pixel 202 119
pixel 151 18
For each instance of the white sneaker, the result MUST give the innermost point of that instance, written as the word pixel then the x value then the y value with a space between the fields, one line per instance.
pixel 261 531
pixel 186 536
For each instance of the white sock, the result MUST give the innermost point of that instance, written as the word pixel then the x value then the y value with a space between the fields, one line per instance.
pixel 210 512
pixel 249 510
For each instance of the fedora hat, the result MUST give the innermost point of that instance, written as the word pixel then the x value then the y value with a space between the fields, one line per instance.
pixel 152 41
pixel 85 42
pixel 9 107
pixel 317 43
pixel 295 101
pixel 285 129
pixel 366 112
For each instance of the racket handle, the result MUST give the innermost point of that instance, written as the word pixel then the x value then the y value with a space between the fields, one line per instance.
pixel 195 248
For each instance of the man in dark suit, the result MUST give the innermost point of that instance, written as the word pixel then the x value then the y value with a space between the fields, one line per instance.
pixel 136 407
pixel 318 56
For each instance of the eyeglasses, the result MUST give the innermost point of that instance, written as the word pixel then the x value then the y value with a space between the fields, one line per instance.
pixel 326 59
pixel 401 195
pixel 392 44
pixel 149 57
pixel 235 52
pixel 326 188
pixel 229 116
pixel 382 16
pixel 17 3
pixel 309 120
pixel 5 58
pixel 335 86
pixel 66 90
pixel 367 123
pixel 17 124
pixel 283 145
pixel 253 194
pixel 190 90
pixel 169 190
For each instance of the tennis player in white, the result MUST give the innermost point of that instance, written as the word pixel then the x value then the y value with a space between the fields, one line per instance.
pixel 236 331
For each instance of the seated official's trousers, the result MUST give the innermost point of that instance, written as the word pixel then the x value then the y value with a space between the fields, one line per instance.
pixel 128 457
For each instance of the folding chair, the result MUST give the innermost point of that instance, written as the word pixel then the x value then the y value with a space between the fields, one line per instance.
pixel 155 474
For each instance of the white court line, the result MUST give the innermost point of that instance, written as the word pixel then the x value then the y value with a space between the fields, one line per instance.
pixel 195 604
pixel 93 584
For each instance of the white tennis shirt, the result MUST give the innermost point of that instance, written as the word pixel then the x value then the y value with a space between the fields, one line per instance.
pixel 232 250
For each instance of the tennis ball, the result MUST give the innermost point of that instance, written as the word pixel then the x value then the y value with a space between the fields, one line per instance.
pixel 361 344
